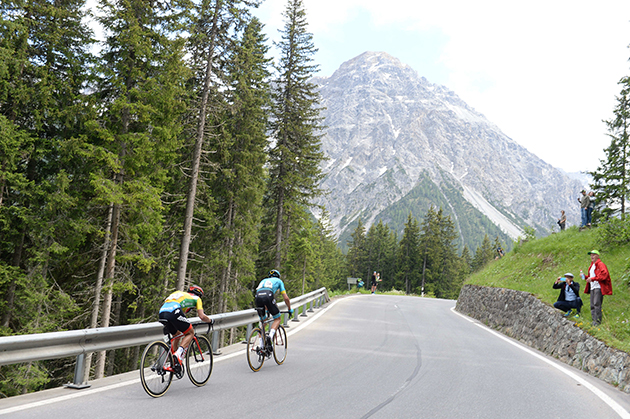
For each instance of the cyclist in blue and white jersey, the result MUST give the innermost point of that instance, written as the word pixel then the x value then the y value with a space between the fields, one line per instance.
pixel 265 293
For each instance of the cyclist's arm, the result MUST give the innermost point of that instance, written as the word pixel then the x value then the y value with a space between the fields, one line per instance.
pixel 203 316
pixel 286 300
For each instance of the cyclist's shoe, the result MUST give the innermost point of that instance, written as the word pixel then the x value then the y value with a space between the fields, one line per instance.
pixel 178 366
pixel 268 343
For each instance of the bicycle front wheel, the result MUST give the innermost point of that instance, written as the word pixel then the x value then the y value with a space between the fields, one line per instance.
pixel 154 377
pixel 255 353
pixel 199 361
pixel 280 345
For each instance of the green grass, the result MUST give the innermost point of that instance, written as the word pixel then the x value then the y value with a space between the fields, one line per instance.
pixel 534 266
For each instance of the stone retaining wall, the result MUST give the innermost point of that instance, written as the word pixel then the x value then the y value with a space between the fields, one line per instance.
pixel 524 317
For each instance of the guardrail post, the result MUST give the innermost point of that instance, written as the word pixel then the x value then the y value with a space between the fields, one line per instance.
pixel 296 314
pixel 310 310
pixel 248 332
pixel 215 343
pixel 285 322
pixel 79 373
pixel 304 311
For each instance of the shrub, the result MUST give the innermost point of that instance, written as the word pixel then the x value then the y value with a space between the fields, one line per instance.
pixel 614 232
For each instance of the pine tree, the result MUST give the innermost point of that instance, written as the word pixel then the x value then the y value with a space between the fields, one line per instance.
pixel 449 280
pixel 213 23
pixel 357 253
pixel 466 258
pixel 484 254
pixel 441 266
pixel 331 261
pixel 429 248
pixel 44 49
pixel 409 262
pixel 142 83
pixel 611 180
pixel 238 185
pixel 381 251
pixel 44 55
pixel 295 157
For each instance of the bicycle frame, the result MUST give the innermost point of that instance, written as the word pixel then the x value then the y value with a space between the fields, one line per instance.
pixel 174 339
pixel 258 347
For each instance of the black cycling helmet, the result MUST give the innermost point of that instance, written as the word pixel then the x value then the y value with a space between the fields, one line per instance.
pixel 274 274
pixel 195 289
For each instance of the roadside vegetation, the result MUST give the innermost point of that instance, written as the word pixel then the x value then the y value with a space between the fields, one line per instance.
pixel 534 265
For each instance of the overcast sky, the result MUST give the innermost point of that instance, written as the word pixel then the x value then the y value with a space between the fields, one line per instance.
pixel 544 71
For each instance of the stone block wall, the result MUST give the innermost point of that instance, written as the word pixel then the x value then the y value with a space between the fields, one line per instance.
pixel 524 317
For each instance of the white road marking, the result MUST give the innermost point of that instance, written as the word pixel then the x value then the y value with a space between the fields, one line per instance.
pixel 603 396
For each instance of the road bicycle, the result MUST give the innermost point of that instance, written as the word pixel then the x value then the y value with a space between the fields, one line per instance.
pixel 258 348
pixel 158 363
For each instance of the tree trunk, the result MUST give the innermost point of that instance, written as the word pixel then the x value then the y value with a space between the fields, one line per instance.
pixel 279 216
pixel 224 286
pixel 98 289
pixel 424 268
pixel 192 189
pixel 115 321
pixel 109 279
pixel 10 297
pixel 304 275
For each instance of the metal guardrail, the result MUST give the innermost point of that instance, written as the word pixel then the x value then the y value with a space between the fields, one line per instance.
pixel 41 346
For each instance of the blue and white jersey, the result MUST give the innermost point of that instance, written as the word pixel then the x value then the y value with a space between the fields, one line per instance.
pixel 272 284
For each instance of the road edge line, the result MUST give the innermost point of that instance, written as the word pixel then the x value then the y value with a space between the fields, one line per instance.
pixel 602 396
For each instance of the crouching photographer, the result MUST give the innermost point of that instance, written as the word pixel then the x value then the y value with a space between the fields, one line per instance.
pixel 569 297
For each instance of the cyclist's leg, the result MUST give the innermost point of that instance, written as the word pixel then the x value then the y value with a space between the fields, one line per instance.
pixel 188 337
pixel 167 319
pixel 274 311
pixel 183 325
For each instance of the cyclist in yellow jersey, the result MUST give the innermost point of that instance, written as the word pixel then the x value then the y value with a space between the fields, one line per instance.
pixel 173 316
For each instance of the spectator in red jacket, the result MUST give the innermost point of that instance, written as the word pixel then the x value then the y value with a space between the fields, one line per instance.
pixel 598 284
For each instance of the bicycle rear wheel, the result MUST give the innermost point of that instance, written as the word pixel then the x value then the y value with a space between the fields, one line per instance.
pixel 199 361
pixel 280 345
pixel 255 354
pixel 155 379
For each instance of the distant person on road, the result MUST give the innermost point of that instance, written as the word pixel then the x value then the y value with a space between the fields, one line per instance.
pixel 598 284
pixel 569 297
pixel 591 206
pixel 562 221
pixel 373 282
pixel 584 202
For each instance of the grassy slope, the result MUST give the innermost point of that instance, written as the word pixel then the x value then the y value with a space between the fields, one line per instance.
pixel 534 266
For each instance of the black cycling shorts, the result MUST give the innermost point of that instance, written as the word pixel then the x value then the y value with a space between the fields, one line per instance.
pixel 265 298
pixel 175 321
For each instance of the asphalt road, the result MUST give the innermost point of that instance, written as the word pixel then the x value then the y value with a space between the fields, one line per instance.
pixel 367 356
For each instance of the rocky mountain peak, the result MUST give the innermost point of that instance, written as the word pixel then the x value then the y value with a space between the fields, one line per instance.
pixel 390 130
